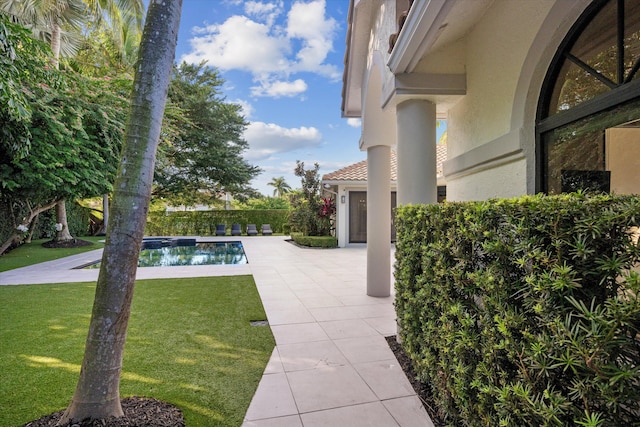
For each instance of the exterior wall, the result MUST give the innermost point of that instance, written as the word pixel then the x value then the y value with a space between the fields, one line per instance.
pixel 496 50
pixel 507 55
pixel 491 129
pixel 342 213
pixel 507 180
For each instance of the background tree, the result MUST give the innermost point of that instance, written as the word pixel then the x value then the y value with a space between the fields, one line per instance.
pixel 280 186
pixel 204 160
pixel 63 20
pixel 97 393
pixel 66 138
pixel 265 203
pixel 307 203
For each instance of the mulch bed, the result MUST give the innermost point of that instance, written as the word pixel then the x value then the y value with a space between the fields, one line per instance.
pixel 421 389
pixel 138 412
pixel 73 243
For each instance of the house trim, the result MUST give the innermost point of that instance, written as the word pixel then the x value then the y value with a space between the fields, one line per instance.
pixel 505 149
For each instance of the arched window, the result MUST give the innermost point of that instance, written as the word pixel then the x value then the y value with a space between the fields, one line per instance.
pixel 588 124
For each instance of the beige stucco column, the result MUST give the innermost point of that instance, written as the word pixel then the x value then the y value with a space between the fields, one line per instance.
pixel 379 221
pixel 416 151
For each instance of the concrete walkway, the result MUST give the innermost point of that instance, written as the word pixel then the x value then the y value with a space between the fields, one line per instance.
pixel 331 365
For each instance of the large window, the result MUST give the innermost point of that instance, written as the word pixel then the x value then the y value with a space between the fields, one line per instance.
pixel 588 127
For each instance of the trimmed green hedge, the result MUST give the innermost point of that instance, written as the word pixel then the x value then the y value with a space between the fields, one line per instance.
pixel 203 223
pixel 524 312
pixel 315 241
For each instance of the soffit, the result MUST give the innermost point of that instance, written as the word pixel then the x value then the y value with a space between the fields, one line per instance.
pixel 432 25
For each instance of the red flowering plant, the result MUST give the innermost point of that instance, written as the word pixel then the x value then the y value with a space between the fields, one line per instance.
pixel 326 214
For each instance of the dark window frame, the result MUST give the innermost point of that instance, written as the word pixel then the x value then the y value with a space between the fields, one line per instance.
pixel 623 91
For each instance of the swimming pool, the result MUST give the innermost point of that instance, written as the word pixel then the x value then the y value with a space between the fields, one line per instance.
pixel 186 252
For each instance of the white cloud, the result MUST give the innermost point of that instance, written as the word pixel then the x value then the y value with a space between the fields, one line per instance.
pixel 239 43
pixel 266 12
pixel 279 89
pixel 354 123
pixel 246 108
pixel 267 139
pixel 306 21
pixel 271 52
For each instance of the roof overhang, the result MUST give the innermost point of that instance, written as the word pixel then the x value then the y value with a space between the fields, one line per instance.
pixel 360 19
pixel 430 26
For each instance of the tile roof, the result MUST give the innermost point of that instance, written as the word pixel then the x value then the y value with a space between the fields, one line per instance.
pixel 358 171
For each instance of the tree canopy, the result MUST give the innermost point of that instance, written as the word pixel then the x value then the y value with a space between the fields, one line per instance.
pixel 280 186
pixel 204 160
pixel 63 135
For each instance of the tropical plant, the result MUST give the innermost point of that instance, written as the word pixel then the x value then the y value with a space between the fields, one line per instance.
pixel 280 186
pixel 308 207
pixel 326 214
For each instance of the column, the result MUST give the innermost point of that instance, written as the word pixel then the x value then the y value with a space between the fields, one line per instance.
pixel 379 221
pixel 416 150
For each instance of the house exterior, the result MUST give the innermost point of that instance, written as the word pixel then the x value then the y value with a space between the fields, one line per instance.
pixel 538 95
pixel 348 186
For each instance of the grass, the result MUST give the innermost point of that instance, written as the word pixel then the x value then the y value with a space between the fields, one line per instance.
pixel 34 252
pixel 189 343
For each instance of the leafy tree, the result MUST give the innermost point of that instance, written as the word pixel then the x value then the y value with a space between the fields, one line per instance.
pixel 23 62
pixel 50 20
pixel 266 203
pixel 97 394
pixel 280 186
pixel 67 143
pixel 204 160
pixel 309 213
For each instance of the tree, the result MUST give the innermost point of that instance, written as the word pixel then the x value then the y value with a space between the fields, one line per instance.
pixel 23 62
pixel 280 186
pixel 310 211
pixel 68 136
pixel 97 394
pixel 204 160
pixel 265 203
pixel 49 18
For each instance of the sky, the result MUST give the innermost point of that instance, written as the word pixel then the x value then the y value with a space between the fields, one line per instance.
pixel 282 61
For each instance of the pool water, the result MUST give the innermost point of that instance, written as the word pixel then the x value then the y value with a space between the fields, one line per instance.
pixel 212 253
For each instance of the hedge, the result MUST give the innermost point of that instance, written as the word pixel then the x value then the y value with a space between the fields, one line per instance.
pixel 524 312
pixel 315 241
pixel 203 223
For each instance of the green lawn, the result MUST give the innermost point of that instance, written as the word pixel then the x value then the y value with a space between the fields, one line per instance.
pixel 34 252
pixel 189 343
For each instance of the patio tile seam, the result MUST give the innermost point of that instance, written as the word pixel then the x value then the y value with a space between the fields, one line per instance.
pixel 331 408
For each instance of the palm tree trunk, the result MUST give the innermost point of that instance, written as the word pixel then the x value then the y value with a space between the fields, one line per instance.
pixel 97 394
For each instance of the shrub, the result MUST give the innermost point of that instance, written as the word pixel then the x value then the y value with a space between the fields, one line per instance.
pixel 315 241
pixel 203 223
pixel 524 311
pixel 312 214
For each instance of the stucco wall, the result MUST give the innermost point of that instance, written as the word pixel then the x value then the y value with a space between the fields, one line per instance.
pixel 496 49
pixel 508 180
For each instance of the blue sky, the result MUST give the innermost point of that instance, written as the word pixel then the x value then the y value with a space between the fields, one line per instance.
pixel 283 62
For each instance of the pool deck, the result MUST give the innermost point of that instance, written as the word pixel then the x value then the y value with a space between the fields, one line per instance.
pixel 331 365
